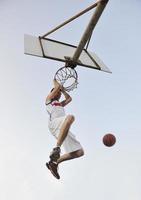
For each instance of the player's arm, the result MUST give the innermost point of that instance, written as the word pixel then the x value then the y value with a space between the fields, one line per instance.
pixel 68 98
pixel 57 88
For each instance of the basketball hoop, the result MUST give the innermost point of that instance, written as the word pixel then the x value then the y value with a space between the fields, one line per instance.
pixel 71 55
pixel 67 77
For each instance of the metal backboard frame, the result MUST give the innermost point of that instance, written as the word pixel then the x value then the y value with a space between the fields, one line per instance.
pixel 56 50
pixel 70 54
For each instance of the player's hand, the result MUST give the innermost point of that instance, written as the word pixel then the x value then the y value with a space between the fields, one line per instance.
pixel 62 89
pixel 55 82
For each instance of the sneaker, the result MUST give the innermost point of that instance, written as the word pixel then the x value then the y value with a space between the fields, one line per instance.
pixel 53 167
pixel 55 154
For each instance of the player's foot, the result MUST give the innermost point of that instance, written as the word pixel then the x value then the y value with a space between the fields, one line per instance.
pixel 55 154
pixel 53 167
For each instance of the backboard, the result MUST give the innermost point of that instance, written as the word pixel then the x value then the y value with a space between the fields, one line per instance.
pixel 56 50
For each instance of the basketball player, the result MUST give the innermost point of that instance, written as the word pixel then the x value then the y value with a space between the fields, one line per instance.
pixel 59 125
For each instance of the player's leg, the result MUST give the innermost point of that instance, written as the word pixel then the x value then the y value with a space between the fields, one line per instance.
pixel 64 129
pixel 53 166
pixel 71 155
pixel 55 154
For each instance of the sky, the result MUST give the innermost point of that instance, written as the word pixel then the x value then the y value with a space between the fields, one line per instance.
pixel 103 103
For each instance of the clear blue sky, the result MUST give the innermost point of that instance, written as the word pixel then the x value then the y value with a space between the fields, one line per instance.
pixel 102 103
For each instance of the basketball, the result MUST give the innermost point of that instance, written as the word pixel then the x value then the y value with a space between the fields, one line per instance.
pixel 109 140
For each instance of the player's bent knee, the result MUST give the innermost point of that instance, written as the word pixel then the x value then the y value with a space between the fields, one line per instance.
pixel 80 153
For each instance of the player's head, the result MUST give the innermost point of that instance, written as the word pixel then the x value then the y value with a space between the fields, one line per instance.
pixel 57 95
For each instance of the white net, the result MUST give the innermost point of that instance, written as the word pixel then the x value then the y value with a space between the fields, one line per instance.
pixel 67 77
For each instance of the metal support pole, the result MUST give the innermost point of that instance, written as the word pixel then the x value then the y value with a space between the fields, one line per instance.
pixel 71 19
pixel 99 9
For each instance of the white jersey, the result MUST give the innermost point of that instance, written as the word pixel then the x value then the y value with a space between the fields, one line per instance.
pixel 56 119
pixel 55 109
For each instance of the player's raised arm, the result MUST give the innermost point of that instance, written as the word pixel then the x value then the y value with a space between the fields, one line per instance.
pixel 68 98
pixel 54 91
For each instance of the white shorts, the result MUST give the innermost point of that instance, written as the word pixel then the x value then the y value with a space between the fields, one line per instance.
pixel 70 143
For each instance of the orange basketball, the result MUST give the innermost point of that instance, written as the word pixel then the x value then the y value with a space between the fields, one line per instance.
pixel 109 140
